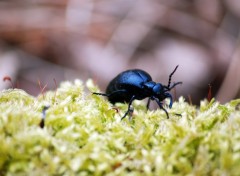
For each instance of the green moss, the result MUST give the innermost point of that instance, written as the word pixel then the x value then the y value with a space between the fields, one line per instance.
pixel 83 135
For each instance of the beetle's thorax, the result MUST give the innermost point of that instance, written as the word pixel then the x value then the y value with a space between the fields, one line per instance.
pixel 153 88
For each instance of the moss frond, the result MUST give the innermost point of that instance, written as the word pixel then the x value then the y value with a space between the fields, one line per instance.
pixel 83 135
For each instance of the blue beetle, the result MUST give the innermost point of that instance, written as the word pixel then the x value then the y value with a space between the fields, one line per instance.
pixel 137 84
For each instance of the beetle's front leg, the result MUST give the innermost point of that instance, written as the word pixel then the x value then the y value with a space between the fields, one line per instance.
pixel 160 106
pixel 171 99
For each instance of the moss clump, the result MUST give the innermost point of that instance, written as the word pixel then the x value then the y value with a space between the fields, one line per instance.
pixel 83 135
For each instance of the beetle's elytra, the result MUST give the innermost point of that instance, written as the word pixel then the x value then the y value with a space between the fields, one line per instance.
pixel 137 84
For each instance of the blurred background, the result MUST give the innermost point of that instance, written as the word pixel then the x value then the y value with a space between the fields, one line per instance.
pixel 46 42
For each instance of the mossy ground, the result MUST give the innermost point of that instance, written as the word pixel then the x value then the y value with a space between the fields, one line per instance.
pixel 83 135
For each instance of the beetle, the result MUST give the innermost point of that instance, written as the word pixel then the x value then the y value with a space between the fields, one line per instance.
pixel 137 84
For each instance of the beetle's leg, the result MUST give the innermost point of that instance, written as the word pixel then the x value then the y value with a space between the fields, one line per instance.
pixel 108 95
pixel 148 103
pixel 129 107
pixel 168 95
pixel 171 102
pixel 102 94
pixel 160 106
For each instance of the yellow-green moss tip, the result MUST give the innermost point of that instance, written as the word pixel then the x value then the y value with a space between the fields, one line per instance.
pixel 83 135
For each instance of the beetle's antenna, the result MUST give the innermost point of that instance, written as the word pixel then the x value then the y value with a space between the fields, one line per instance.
pixel 170 76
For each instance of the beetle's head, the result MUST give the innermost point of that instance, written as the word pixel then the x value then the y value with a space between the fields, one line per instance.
pixel 159 91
